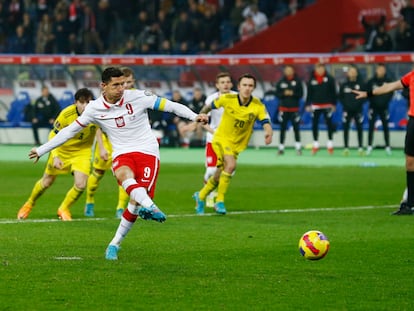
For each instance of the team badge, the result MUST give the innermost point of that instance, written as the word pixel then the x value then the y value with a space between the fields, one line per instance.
pixel 120 122
pixel 148 93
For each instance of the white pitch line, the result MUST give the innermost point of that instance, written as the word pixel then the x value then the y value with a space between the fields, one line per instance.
pixel 18 221
pixel 298 210
pixel 281 211
pixel 68 258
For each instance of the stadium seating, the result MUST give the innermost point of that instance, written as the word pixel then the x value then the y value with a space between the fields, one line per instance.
pixel 59 87
pixel 186 88
pixel 161 88
pixel 15 116
pixel 66 99
pixel 398 111
pixel 31 87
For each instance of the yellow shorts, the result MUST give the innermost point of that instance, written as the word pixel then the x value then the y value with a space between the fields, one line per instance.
pixel 98 162
pixel 79 161
pixel 222 148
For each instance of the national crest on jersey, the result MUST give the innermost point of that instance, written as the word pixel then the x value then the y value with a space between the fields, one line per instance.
pixel 124 119
pixel 120 122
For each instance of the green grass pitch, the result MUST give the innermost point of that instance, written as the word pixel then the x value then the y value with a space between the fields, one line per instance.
pixel 246 260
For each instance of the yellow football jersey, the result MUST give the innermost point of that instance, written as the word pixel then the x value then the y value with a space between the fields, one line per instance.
pixel 82 140
pixel 236 125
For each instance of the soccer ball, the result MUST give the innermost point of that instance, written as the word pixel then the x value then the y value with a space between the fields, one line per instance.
pixel 313 245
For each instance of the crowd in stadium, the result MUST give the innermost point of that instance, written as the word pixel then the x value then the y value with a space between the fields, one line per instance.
pixel 134 27
pixel 379 39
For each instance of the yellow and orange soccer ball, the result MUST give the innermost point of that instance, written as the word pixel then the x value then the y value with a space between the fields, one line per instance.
pixel 313 245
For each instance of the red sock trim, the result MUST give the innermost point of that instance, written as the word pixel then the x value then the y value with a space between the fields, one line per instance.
pixel 130 188
pixel 128 216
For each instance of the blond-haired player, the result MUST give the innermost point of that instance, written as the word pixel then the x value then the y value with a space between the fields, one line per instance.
pixel 74 156
pixel 232 136
pixel 102 161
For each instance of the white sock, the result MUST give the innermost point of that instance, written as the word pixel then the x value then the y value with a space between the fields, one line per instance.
pixel 329 144
pixel 281 147
pixel 405 195
pixel 121 232
pixel 124 225
pixel 139 195
pixel 133 209
pixel 186 140
pixel 298 146
pixel 315 144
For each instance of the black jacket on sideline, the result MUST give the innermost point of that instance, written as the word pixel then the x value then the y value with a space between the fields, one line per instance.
pixel 347 98
pixel 321 93
pixel 285 101
pixel 379 102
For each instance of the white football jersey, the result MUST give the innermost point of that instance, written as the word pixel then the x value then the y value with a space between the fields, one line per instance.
pixel 125 122
pixel 215 114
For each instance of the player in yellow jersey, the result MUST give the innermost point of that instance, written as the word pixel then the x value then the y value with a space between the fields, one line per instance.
pixel 102 161
pixel 74 157
pixel 232 136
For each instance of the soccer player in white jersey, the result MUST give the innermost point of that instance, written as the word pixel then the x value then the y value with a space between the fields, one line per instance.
pixel 122 115
pixel 102 162
pixel 223 85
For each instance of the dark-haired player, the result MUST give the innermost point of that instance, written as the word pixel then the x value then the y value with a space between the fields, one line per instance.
pixel 74 156
pixel 122 115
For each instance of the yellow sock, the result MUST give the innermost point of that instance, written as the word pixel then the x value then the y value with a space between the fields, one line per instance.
pixel 123 198
pixel 223 185
pixel 210 185
pixel 73 194
pixel 92 186
pixel 37 191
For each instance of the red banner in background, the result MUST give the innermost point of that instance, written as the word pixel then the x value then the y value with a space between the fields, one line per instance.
pixel 228 60
pixel 318 28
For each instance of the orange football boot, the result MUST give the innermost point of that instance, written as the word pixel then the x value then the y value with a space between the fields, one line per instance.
pixel 25 210
pixel 64 214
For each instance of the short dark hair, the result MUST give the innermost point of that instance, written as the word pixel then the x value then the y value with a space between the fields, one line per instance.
pixel 111 72
pixel 83 94
pixel 247 76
